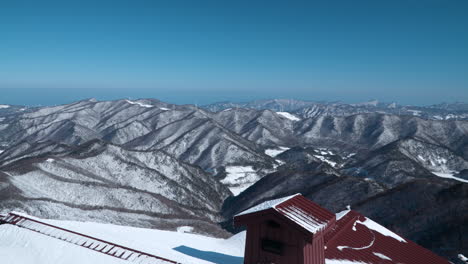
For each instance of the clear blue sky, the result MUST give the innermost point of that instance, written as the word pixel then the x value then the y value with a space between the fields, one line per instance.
pixel 203 51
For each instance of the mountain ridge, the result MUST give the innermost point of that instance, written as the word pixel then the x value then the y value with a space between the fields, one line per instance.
pixel 145 162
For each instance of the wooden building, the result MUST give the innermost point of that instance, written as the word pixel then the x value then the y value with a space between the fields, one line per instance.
pixel 295 230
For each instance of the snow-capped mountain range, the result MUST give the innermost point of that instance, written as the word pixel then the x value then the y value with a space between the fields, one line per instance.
pixel 307 109
pixel 148 163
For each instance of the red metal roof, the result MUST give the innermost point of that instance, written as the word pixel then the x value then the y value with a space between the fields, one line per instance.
pixel 352 237
pixel 306 213
pixel 357 238
pixel 300 211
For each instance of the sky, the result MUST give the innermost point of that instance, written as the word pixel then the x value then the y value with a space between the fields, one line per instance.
pixel 408 51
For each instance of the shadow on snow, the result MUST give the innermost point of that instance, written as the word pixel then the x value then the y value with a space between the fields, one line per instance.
pixel 210 256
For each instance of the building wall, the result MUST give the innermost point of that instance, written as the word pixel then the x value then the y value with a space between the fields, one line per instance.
pixel 314 253
pixel 292 241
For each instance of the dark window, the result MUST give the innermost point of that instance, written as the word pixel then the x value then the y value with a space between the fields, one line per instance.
pixel 272 246
pixel 273 224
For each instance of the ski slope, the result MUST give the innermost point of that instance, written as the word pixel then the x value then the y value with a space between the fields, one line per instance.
pixel 23 246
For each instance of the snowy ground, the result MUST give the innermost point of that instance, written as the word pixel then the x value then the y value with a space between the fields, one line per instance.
pixel 324 156
pixel 289 116
pixel 139 103
pixel 449 175
pixel 324 159
pixel 22 246
pixel 439 167
pixel 275 151
pixel 239 178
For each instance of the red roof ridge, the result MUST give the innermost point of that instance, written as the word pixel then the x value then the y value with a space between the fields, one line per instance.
pixel 268 204
pixel 309 216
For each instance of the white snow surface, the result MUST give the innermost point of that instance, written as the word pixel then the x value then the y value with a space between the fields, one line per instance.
pixel 359 248
pixel 275 151
pixel 343 261
pixel 415 112
pixel 266 205
pixel 382 256
pixel 448 176
pixel 22 246
pixel 322 158
pixel 340 215
pixel 289 116
pixel 239 178
pixel 462 258
pixel 185 229
pixel 4 106
pixel 440 166
pixel 376 227
pixel 139 103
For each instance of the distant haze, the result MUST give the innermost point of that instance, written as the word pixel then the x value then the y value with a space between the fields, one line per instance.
pixel 44 97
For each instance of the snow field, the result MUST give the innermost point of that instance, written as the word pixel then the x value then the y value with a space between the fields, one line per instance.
pixel 239 178
pixel 289 116
pixel 275 151
pixel 23 246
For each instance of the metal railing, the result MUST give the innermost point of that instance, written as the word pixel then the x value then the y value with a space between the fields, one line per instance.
pixel 89 242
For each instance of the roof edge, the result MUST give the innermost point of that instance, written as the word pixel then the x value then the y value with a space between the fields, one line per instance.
pixel 264 205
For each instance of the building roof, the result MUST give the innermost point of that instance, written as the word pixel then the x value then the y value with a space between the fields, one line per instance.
pixel 359 239
pixel 350 237
pixel 298 210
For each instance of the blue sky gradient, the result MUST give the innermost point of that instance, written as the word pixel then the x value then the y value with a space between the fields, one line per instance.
pixel 413 52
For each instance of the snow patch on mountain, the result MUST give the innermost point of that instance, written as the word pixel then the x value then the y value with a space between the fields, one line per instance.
pixel 415 112
pixel 185 229
pixel 273 152
pixel 439 166
pixel 448 175
pixel 4 106
pixel 324 151
pixel 139 103
pixel 289 116
pixel 324 159
pixel 239 178
pixel 452 116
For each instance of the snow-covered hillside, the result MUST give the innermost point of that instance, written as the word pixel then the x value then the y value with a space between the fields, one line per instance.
pixel 167 166
pixel 110 184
